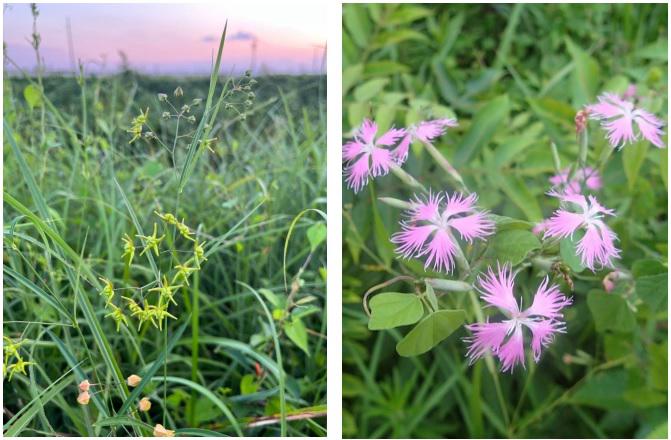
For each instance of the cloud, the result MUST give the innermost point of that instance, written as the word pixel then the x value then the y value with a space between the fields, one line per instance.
pixel 241 36
pixel 208 39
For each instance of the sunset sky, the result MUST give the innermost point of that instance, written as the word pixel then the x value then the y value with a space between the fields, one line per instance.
pixel 172 38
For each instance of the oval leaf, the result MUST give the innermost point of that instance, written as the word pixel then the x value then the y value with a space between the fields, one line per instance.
pixel 389 310
pixel 430 332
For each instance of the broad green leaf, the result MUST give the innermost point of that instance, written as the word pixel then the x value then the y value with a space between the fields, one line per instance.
pixel 430 332
pixel 316 235
pixel 33 96
pixel 350 76
pixel 370 89
pixel 482 128
pixel 603 390
pixel 504 223
pixel 653 290
pixel 610 312
pixel 664 165
pixel 248 384
pixel 389 310
pixel 632 160
pixel 407 13
pixel 518 192
pixel 569 252
pixel 383 68
pixel 659 50
pixel 357 23
pixel 511 246
pixel 295 330
pixel 390 38
pixel 585 75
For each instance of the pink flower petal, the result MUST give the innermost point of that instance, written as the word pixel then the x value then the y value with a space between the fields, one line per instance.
pixel 487 337
pixel 440 252
pixel 412 240
pixel 548 301
pixel 357 173
pixel 597 246
pixel 620 131
pixel 563 223
pixel 543 333
pixel 400 153
pixel 381 161
pixel 609 106
pixel 367 131
pixel 390 137
pixel 650 127
pixel 457 204
pixel 497 289
pixel 351 150
pixel 512 352
pixel 426 209
pixel 473 226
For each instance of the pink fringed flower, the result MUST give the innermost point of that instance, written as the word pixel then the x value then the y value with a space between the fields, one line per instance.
pixel 428 231
pixel 587 177
pixel 597 246
pixel 366 156
pixel 505 339
pixel 618 116
pixel 425 131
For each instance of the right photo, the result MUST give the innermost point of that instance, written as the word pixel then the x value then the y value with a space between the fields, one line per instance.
pixel 505 220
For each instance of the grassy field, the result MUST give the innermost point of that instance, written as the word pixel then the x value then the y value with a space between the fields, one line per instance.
pixel 514 76
pixel 220 309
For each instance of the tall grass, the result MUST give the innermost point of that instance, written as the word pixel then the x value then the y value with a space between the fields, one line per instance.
pixel 74 186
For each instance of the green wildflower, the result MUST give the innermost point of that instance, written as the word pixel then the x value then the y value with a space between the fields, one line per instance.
pixel 108 291
pixel 166 292
pixel 18 367
pixel 136 125
pixel 152 241
pixel 199 253
pixel 118 316
pixel 184 271
pixel 128 249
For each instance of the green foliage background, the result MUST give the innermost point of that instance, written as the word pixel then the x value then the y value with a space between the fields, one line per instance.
pixel 263 172
pixel 514 75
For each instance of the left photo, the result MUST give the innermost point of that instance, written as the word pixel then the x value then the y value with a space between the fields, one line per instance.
pixel 164 211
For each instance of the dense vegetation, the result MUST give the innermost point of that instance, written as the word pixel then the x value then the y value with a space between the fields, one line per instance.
pixel 235 186
pixel 515 77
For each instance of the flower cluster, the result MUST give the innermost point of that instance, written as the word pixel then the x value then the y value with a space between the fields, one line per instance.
pixel 433 220
pixel 11 352
pixel 157 312
pixel 369 155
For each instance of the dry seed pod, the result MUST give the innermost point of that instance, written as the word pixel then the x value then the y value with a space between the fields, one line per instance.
pixel 160 431
pixel 133 380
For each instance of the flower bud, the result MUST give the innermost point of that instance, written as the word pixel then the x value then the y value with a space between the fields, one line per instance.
pixel 83 398
pixel 162 97
pixel 145 404
pixel 160 431
pixel 165 115
pixel 186 108
pixel 178 92
pixel 84 385
pixel 196 101
pixel 133 380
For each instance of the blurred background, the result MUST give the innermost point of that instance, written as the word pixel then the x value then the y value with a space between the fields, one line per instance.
pixel 514 76
pixel 174 39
